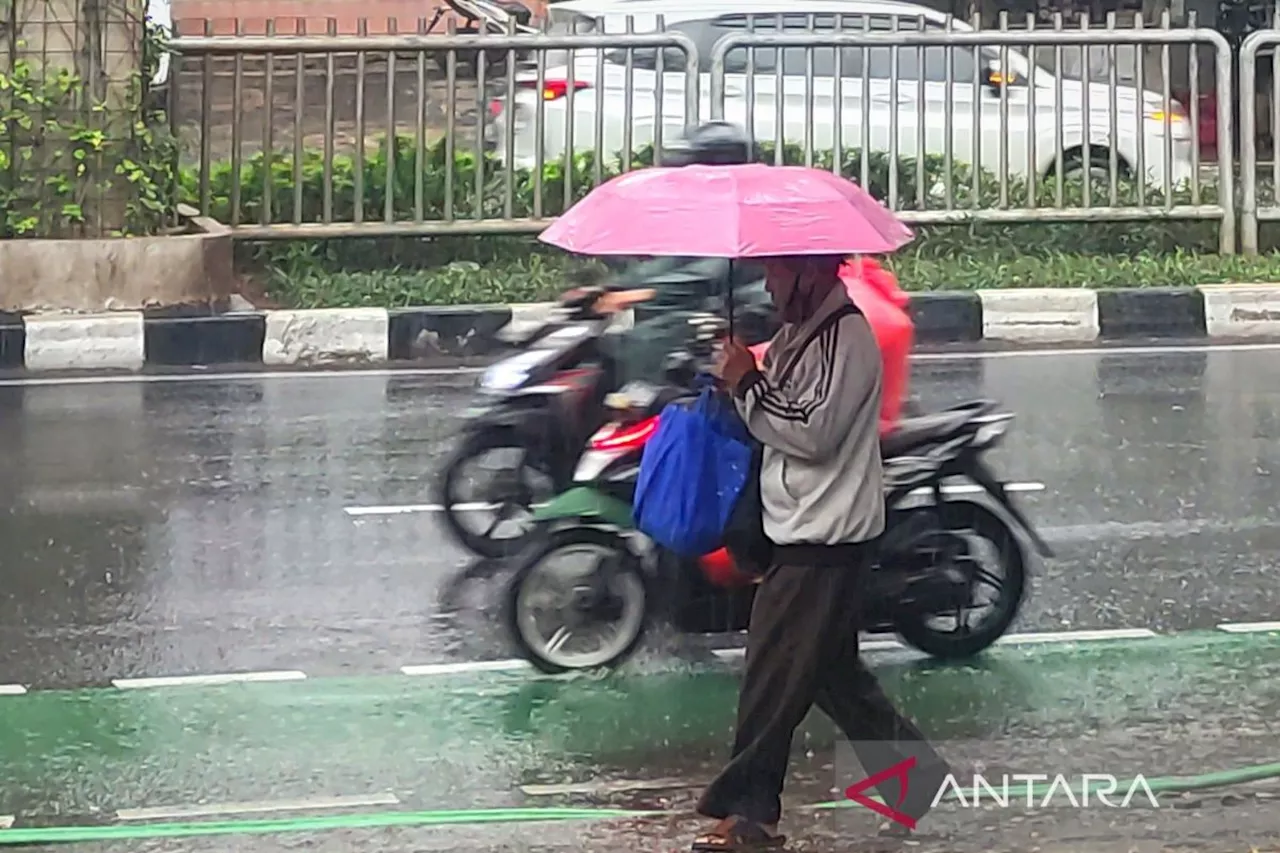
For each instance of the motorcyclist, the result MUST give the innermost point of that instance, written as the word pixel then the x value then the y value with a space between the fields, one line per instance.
pixel 684 284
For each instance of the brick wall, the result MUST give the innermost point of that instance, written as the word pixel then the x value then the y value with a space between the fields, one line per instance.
pixel 289 15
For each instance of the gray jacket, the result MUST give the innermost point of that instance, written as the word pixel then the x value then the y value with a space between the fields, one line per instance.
pixel 821 478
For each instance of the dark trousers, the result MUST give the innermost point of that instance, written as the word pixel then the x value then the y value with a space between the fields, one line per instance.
pixel 802 648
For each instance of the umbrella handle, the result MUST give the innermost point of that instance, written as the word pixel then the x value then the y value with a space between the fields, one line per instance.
pixel 728 299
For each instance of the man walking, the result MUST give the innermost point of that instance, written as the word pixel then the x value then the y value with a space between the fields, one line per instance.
pixel 815 408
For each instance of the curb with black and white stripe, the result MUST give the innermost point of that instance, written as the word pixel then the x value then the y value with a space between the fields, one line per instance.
pixel 132 340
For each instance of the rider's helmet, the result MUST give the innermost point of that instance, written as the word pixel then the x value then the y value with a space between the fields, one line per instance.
pixel 715 143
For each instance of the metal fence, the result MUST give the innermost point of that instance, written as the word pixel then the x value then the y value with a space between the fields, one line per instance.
pixel 1123 145
pixel 1252 211
pixel 290 136
pixel 441 172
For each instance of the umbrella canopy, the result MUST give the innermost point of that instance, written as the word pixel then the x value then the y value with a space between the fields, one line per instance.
pixel 747 211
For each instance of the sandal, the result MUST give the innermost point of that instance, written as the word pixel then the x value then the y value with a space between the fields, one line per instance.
pixel 738 833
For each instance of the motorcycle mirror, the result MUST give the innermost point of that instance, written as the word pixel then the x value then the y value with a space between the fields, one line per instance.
pixel 679 367
pixel 708 327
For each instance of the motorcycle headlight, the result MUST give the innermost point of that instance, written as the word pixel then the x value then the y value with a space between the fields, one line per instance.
pixel 503 377
pixel 512 372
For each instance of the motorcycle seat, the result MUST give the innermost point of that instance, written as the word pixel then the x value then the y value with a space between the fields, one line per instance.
pixel 912 433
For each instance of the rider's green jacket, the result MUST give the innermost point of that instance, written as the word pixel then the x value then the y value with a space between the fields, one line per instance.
pixel 685 286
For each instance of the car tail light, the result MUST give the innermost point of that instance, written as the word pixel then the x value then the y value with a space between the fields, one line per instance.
pixel 552 90
pixel 624 438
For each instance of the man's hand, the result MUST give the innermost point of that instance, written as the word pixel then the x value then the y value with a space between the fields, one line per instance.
pixel 734 362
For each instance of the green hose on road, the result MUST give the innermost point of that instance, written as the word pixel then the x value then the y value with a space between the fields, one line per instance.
pixel 376 820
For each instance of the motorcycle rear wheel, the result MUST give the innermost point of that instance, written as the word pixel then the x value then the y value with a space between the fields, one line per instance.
pixel 984 524
pixel 626 585
pixel 483 543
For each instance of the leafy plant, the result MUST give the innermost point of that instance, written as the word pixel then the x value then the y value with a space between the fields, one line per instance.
pixel 69 162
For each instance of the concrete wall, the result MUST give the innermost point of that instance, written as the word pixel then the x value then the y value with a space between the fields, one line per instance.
pixel 121 274
pixel 189 15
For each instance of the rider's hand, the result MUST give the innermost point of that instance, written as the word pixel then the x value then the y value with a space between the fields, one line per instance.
pixel 734 362
pixel 615 302
pixel 608 303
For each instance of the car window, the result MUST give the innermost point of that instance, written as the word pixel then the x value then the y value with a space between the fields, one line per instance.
pixel 704 33
pixel 963 64
pixel 560 21
pixel 794 60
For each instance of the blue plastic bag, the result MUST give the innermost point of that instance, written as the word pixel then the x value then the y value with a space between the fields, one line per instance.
pixel 691 474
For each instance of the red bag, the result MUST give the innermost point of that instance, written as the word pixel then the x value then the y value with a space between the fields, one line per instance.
pixel 876 293
pixel 875 290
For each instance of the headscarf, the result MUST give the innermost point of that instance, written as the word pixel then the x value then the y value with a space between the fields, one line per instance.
pixel 815 276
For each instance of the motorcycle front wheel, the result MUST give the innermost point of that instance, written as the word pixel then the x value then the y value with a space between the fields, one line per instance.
pixel 996 562
pixel 592 615
pixel 506 506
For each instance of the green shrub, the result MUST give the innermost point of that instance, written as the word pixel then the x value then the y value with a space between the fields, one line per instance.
pixel 534 278
pixel 518 268
pixel 260 173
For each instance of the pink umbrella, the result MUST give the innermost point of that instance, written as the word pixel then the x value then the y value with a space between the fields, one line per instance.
pixel 747 211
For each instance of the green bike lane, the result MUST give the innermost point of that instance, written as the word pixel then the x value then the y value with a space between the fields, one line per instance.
pixel 1181 705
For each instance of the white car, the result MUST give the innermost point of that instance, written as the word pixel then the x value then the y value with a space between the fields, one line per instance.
pixel 159 14
pixel 706 21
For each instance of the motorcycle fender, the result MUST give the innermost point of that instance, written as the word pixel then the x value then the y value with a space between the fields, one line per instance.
pixel 995 491
pixel 519 418
pixel 586 503
pixel 534 426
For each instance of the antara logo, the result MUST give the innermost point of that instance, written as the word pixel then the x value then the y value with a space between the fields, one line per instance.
pixel 1034 790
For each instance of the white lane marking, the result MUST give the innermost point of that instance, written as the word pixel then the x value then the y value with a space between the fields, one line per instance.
pixel 1045 638
pixel 6 821
pixel 878 643
pixel 12 690
pixel 258 807
pixel 208 680
pixel 1077 636
pixel 1249 627
pixel 864 645
pixel 618 787
pixel 1162 349
pixel 404 509
pixel 511 665
pixel 327 373
pixel 332 373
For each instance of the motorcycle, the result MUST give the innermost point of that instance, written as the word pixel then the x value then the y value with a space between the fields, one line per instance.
pixel 930 567
pixel 542 404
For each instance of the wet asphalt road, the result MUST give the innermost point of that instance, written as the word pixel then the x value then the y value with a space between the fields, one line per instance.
pixel 186 527
pixel 104 764
pixel 198 526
